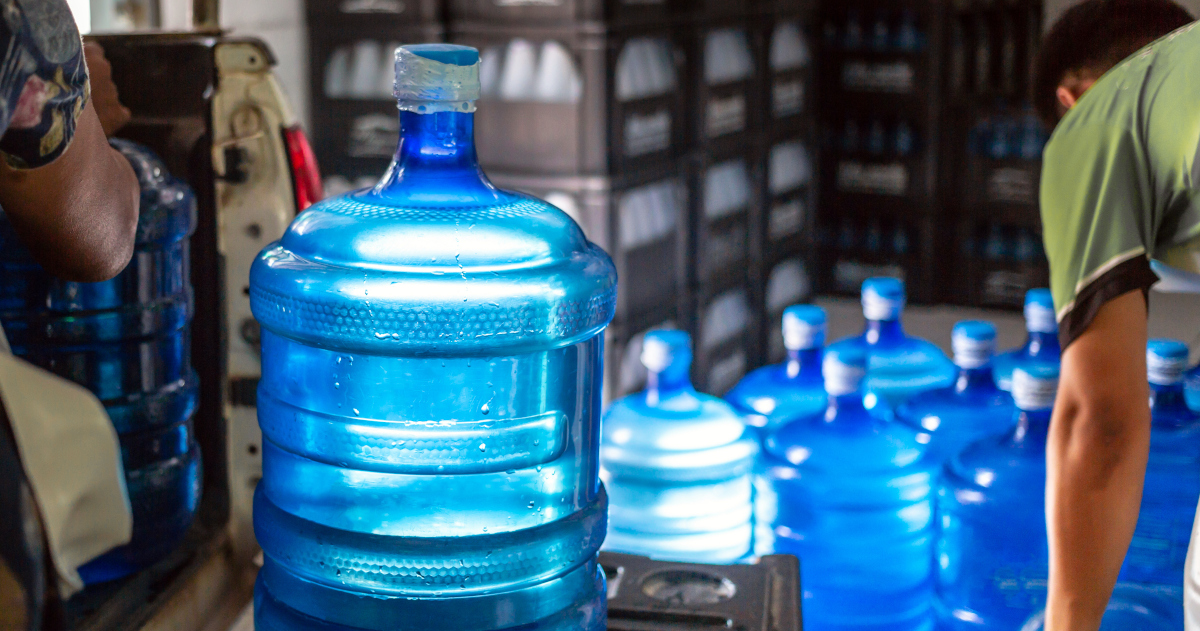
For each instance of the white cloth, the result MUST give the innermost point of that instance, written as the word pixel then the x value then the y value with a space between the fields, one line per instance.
pixel 1191 581
pixel 72 459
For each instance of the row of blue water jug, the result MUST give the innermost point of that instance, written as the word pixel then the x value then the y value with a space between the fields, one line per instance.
pixel 876 456
pixel 127 340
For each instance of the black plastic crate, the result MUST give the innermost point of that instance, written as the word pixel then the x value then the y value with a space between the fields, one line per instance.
pixel 646 595
pixel 619 109
pixel 724 75
pixel 715 8
pixel 624 373
pixel 786 224
pixel 562 12
pixel 788 45
pixel 370 13
pixel 998 262
pixel 725 337
pixel 640 221
pixel 786 281
pixel 726 196
pixel 858 245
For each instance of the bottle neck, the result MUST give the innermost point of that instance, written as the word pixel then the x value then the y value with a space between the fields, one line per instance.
pixel 804 364
pixel 883 331
pixel 846 406
pixel 1040 343
pixel 662 385
pixel 1168 405
pixel 435 163
pixel 975 379
pixel 1032 426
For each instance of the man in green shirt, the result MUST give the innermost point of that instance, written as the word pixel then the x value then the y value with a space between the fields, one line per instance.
pixel 1120 189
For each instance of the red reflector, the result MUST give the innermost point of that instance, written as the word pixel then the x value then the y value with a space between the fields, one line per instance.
pixel 306 175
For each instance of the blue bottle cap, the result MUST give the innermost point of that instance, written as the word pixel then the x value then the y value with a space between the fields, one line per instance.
pixel 665 348
pixel 437 78
pixel 974 343
pixel 803 327
pixel 1166 361
pixel 883 298
pixel 844 370
pixel 1039 311
pixel 1034 387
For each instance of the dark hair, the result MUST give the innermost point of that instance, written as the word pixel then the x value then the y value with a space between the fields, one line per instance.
pixel 1094 36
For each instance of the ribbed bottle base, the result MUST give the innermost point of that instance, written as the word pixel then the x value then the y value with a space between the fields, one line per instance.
pixel 272 615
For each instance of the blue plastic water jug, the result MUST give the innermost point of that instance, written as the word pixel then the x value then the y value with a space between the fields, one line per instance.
pixel 1160 543
pixel 898 366
pixel 430 396
pixel 992 553
pixel 1131 608
pixel 771 395
pixel 127 340
pixel 851 495
pixel 677 465
pixel 973 408
pixel 1041 346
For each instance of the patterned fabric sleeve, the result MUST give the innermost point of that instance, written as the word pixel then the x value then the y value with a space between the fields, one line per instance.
pixel 43 80
pixel 1096 203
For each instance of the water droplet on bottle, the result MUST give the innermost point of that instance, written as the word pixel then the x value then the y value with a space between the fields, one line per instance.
pixel 339 360
pixel 482 446
pixel 539 467
pixel 339 572
pixel 336 385
pixel 530 504
pixel 511 471
pixel 537 442
pixel 355 411
pixel 485 528
pixel 485 409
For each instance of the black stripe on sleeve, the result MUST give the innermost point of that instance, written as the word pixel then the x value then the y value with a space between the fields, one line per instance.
pixel 1122 279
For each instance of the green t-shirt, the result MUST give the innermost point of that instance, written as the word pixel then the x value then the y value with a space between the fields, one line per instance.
pixel 1121 181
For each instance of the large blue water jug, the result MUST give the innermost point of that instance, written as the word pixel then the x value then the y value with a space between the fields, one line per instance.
pixel 898 366
pixel 992 553
pixel 1041 345
pixel 430 393
pixel 973 408
pixel 851 495
pixel 1160 542
pixel 771 395
pixel 677 465
pixel 1191 388
pixel 127 340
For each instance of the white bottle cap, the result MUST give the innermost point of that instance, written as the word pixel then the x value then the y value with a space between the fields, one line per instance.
pixel 844 371
pixel 437 78
pixel 1166 361
pixel 662 348
pixel 1039 312
pixel 883 298
pixel 974 343
pixel 803 327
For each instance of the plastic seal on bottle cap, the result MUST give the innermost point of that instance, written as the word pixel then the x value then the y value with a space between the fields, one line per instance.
pixel 882 298
pixel 1039 312
pixel 1166 361
pixel 436 78
pixel 844 371
pixel 803 327
pixel 1034 387
pixel 974 343
pixel 662 348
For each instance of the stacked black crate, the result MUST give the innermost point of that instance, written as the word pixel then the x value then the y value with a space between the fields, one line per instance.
pixel 998 143
pixel 784 230
pixel 725 74
pixel 582 105
pixel 351 59
pixel 881 104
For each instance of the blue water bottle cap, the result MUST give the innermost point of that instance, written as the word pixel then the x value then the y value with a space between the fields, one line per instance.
pixel 844 370
pixel 974 343
pixel 436 78
pixel 803 327
pixel 1034 387
pixel 1166 361
pixel 665 348
pixel 883 298
pixel 1039 311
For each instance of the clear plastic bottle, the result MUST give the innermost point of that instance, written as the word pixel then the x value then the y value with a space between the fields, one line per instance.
pixel 851 495
pixel 1160 543
pixel 1041 346
pixel 772 395
pixel 992 554
pixel 430 396
pixel 899 366
pixel 127 340
pixel 677 464
pixel 971 409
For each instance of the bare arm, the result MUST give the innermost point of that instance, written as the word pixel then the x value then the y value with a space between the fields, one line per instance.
pixel 1096 462
pixel 78 214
